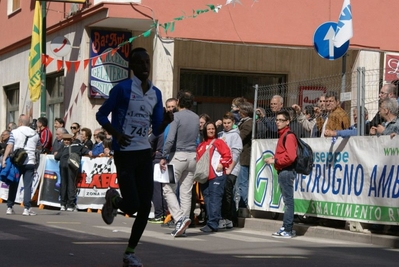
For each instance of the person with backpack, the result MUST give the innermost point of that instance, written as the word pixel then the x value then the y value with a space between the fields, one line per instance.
pixel 284 162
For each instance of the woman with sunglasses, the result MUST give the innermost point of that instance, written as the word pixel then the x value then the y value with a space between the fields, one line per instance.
pixel 75 130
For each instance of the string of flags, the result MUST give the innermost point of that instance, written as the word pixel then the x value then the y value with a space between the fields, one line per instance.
pixel 167 26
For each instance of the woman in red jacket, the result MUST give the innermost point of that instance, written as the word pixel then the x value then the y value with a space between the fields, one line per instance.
pixel 212 190
pixel 283 161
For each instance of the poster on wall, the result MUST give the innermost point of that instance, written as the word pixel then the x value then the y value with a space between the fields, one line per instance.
pixel 391 67
pixel 109 67
pixel 310 95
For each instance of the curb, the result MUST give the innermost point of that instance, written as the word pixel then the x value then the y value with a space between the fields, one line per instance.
pixel 324 232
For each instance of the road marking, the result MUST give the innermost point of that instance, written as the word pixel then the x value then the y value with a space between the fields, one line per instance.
pixel 242 238
pixel 64 223
pixel 8 236
pixel 99 243
pixel 151 234
pixel 270 257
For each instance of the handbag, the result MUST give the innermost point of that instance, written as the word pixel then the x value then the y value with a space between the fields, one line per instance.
pixel 19 155
pixel 201 173
pixel 73 160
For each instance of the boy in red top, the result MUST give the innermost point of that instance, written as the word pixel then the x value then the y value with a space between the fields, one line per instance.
pixel 283 161
pixel 46 138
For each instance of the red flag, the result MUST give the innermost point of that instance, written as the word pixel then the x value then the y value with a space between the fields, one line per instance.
pixel 104 56
pixel 59 64
pixel 68 65
pixel 77 64
pixel 93 61
pixel 85 62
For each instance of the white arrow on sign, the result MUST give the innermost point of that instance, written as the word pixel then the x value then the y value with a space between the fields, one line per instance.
pixel 330 38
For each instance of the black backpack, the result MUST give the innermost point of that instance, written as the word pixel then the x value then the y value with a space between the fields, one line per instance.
pixel 304 156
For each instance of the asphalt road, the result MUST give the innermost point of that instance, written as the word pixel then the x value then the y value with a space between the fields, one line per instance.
pixel 54 238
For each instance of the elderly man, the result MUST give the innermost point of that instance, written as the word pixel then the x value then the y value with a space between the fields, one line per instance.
pixel 386 91
pixel 27 138
pixel 389 113
pixel 276 104
pixel 58 142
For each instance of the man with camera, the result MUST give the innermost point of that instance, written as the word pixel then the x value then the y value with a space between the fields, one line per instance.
pixel 28 139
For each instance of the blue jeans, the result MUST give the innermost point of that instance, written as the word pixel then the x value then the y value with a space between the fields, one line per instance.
pixel 286 180
pixel 213 194
pixel 243 181
pixel 28 173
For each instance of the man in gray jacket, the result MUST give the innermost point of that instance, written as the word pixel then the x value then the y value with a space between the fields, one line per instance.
pixel 180 150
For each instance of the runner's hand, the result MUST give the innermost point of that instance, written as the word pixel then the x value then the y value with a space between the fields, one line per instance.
pixel 123 140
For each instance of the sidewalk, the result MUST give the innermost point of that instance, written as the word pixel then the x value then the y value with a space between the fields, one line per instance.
pixel 263 221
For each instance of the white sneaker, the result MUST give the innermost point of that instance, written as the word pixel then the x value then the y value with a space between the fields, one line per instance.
pixel 10 211
pixel 229 224
pixel 222 224
pixel 28 212
pixel 70 209
pixel 181 226
pixel 63 208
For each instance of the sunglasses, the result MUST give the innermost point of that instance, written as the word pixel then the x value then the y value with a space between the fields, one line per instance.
pixel 74 127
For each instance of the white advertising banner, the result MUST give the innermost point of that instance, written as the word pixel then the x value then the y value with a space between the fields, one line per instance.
pixel 354 179
pixel 96 177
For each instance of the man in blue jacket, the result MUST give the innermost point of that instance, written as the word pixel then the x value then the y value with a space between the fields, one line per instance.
pixel 135 104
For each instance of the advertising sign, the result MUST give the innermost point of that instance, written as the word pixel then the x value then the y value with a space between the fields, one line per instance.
pixel 107 68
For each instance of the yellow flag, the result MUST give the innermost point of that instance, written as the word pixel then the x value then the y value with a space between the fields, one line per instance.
pixel 35 54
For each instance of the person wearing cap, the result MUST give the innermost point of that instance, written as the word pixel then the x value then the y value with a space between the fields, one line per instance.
pixel 68 175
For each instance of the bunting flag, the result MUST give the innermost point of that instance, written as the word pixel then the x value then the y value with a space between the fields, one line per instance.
pixel 59 64
pixel 344 30
pixel 68 65
pixel 46 60
pixel 168 26
pixel 94 60
pixel 85 63
pixel 76 64
pixel 35 54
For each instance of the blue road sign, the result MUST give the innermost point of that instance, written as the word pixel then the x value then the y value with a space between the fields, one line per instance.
pixel 323 41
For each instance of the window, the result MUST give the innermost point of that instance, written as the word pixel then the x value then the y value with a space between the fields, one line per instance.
pixel 12 106
pixel 225 84
pixel 12 6
pixel 214 90
pixel 55 99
